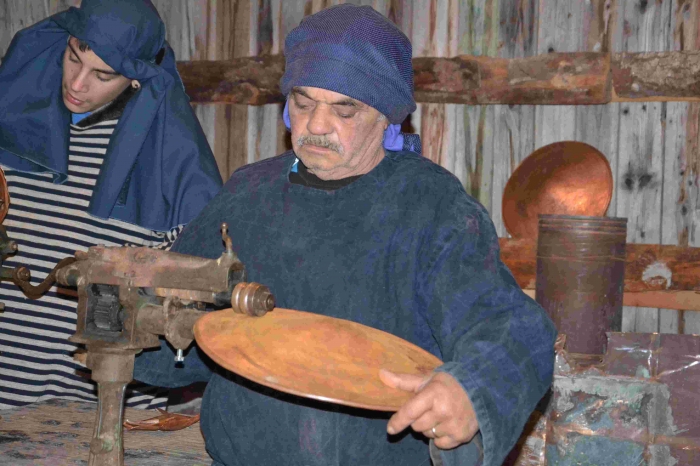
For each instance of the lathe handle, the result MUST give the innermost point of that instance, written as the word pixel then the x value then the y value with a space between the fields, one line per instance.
pixel 21 276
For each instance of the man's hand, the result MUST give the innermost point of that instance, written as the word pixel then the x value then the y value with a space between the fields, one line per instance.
pixel 440 410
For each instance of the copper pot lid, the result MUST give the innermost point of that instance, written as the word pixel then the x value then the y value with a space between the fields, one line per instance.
pixel 4 196
pixel 563 178
pixel 313 356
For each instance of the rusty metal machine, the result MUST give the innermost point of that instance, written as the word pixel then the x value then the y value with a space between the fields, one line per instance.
pixel 127 297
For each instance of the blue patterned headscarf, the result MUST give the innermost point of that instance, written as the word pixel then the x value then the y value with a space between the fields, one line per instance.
pixel 355 51
pixel 159 171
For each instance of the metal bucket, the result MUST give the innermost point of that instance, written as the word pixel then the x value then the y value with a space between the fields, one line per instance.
pixel 580 277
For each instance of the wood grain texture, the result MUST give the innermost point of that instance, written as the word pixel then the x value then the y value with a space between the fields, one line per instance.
pixel 682 163
pixel 471 153
pixel 261 135
pixel 215 30
pixel 597 125
pixel 642 27
pixel 672 300
pixel 513 126
pixel 437 123
pixel 58 433
pixel 19 14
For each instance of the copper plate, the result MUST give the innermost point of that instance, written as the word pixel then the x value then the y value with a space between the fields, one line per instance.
pixel 4 196
pixel 564 178
pixel 313 356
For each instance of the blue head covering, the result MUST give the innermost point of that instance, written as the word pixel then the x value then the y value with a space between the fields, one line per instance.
pixel 159 171
pixel 357 52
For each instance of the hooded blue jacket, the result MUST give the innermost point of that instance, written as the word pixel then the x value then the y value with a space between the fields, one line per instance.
pixel 159 171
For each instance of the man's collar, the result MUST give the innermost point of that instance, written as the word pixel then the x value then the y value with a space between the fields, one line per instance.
pixel 110 111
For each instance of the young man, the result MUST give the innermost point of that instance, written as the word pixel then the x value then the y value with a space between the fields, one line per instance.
pixel 99 146
pixel 351 225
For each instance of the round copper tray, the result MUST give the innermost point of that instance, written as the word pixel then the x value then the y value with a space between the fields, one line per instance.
pixel 313 356
pixel 564 178
pixel 4 196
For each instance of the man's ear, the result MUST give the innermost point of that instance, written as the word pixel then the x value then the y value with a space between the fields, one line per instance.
pixel 135 84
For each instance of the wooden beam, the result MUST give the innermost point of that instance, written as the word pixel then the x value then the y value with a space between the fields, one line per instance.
pixel 247 80
pixel 557 78
pixel 679 300
pixel 549 79
pixel 649 267
pixel 655 276
pixel 656 76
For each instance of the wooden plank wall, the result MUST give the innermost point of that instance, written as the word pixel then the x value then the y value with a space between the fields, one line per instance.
pixel 653 147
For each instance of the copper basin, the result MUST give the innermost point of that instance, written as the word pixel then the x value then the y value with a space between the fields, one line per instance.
pixel 563 178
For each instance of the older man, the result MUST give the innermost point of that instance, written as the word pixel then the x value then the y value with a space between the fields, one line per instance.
pixel 353 225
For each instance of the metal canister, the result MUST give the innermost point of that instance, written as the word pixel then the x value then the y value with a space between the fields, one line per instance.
pixel 580 277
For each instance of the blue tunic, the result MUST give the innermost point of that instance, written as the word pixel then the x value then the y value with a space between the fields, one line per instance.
pixel 403 249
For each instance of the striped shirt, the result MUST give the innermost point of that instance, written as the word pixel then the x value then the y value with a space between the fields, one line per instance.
pixel 50 222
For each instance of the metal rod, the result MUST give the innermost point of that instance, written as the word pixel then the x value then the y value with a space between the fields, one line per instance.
pixel 112 370
pixel 107 445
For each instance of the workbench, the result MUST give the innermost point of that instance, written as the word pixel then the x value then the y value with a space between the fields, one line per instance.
pixel 58 433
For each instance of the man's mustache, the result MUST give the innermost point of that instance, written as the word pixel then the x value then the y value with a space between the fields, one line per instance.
pixel 320 141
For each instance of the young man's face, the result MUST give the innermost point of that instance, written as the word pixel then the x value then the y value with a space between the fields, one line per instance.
pixel 334 135
pixel 88 82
